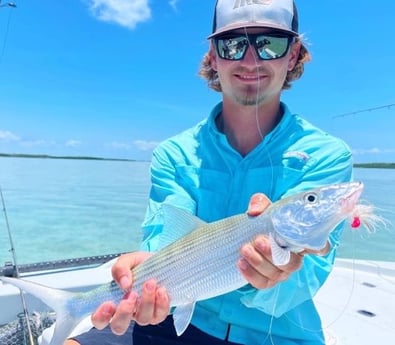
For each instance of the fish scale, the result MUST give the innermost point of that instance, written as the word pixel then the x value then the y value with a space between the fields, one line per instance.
pixel 216 267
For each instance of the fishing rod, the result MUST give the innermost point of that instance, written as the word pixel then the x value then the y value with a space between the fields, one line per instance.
pixel 12 5
pixel 12 249
pixel 388 106
pixel 8 4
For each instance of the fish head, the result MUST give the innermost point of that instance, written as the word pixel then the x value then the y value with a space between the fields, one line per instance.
pixel 305 220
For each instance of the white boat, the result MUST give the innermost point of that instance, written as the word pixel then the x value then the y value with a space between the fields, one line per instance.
pixel 357 303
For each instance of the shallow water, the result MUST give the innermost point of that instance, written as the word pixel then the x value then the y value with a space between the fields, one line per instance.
pixel 60 209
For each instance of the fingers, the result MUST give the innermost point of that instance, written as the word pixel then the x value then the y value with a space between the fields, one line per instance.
pixel 257 267
pixel 121 270
pixel 162 306
pixel 102 316
pixel 258 203
pixel 258 270
pixel 124 313
pixel 151 307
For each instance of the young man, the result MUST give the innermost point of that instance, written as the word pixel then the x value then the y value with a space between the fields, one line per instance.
pixel 250 143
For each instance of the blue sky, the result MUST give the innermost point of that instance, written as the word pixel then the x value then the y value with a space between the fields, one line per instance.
pixel 112 78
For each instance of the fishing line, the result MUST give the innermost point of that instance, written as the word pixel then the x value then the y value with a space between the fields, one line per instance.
pixel 276 297
pixel 348 299
pixel 271 183
pixel 250 45
pixel 17 275
pixel 258 125
pixel 6 32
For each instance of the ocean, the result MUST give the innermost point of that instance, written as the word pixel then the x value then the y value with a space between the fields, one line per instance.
pixel 66 208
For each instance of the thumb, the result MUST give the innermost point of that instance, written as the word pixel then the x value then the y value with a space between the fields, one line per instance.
pixel 258 203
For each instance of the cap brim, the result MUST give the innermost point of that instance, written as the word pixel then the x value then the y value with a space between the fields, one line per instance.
pixel 237 26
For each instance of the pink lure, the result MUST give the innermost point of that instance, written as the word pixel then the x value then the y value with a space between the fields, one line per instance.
pixel 356 222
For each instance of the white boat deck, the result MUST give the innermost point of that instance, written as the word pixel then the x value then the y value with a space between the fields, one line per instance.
pixel 357 303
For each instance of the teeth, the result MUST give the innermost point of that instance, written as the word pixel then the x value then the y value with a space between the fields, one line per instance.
pixel 251 77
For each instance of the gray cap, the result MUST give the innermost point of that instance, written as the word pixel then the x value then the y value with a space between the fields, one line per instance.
pixel 274 14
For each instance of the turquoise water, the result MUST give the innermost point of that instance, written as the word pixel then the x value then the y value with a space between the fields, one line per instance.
pixel 59 209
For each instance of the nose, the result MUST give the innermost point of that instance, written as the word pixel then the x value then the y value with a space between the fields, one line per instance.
pixel 251 56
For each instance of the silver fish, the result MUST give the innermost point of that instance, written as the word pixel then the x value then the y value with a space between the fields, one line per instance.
pixel 202 262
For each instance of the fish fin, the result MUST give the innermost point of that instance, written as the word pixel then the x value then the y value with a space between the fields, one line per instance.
pixel 182 316
pixel 57 300
pixel 280 255
pixel 177 223
pixel 63 327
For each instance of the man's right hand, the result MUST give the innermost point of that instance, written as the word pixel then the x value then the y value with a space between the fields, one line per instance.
pixel 152 307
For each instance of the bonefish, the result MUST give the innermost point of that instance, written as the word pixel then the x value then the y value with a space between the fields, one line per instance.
pixel 202 262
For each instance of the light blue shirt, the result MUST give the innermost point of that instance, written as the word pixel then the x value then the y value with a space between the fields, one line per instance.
pixel 199 171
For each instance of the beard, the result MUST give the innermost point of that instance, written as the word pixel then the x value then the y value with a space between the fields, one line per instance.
pixel 249 97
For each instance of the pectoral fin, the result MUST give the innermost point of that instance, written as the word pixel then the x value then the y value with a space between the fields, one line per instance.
pixel 280 255
pixel 182 316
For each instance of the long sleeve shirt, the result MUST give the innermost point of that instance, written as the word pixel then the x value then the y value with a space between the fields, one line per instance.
pixel 198 170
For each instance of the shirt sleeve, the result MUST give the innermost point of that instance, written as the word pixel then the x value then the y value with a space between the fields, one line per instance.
pixel 164 188
pixel 303 284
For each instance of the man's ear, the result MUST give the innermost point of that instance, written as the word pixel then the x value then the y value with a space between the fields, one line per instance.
pixel 213 57
pixel 294 55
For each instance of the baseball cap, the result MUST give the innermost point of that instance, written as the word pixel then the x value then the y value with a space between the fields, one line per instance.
pixel 235 14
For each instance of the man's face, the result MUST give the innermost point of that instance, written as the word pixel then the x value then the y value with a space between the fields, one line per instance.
pixel 250 80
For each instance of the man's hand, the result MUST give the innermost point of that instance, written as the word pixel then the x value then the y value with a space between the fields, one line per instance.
pixel 152 307
pixel 256 263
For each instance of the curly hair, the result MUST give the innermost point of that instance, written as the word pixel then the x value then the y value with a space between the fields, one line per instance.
pixel 211 76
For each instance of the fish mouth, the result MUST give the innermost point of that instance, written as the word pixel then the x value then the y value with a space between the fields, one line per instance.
pixel 349 202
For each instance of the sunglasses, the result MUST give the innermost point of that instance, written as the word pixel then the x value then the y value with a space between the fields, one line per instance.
pixel 267 46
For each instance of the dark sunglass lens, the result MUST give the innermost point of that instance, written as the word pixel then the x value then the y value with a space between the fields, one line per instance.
pixel 231 48
pixel 272 47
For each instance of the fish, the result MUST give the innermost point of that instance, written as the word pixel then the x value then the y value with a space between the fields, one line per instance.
pixel 198 260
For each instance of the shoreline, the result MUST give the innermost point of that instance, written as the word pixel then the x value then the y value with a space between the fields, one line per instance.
pixel 381 165
pixel 44 156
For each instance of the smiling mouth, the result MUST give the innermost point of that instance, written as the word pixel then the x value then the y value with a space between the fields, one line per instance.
pixel 250 77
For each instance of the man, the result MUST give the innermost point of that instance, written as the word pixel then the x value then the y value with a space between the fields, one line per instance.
pixel 251 143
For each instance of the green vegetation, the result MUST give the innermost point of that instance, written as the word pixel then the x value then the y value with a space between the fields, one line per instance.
pixel 375 165
pixel 22 155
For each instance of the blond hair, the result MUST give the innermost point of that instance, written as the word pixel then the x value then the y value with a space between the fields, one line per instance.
pixel 211 76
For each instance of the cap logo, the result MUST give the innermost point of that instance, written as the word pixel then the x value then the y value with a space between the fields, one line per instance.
pixel 242 3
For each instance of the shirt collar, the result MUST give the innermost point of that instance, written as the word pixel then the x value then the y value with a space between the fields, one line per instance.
pixel 216 111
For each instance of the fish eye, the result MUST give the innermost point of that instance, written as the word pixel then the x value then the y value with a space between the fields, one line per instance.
pixel 311 198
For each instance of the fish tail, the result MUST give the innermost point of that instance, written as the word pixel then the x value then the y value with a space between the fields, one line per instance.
pixel 56 299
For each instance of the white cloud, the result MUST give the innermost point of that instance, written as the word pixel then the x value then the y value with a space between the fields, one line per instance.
pixel 73 143
pixel 8 136
pixel 373 150
pixel 120 145
pixel 126 13
pixel 145 145
pixel 36 143
pixel 141 145
pixel 173 4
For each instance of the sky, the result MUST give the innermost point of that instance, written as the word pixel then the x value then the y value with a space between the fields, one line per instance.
pixel 113 78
